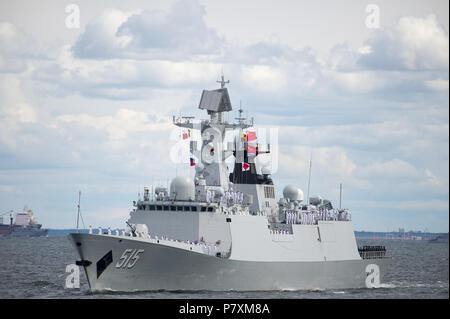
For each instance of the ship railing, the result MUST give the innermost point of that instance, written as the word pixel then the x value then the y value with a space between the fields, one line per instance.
pixel 203 247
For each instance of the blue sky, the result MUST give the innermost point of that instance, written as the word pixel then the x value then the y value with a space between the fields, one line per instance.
pixel 90 108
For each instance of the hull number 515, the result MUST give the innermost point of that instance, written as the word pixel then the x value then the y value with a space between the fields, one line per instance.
pixel 129 258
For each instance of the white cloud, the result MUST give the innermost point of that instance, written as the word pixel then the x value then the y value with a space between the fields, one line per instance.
pixel 356 82
pixel 107 217
pixel 120 78
pixel 179 34
pixel 119 126
pixel 413 44
pixel 15 111
pixel 100 39
pixel 264 78
pixel 438 84
pixel 13 45
pixel 330 165
pixel 433 179
pixel 394 169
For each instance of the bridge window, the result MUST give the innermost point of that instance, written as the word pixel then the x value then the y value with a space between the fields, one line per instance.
pixel 158 207
pixel 203 209
pixel 194 208
pixel 269 192
pixel 151 207
pixel 166 207
pixel 173 208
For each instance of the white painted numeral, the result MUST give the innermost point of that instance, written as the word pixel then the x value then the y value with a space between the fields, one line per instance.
pixel 129 258
pixel 135 258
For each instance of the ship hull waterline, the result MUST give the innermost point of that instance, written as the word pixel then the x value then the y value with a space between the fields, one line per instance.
pixel 161 267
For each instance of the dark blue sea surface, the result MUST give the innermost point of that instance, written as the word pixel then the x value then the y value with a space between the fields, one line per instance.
pixel 36 268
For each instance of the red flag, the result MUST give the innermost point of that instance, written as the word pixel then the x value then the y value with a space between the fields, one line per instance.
pixel 245 167
pixel 185 136
pixel 251 136
pixel 251 150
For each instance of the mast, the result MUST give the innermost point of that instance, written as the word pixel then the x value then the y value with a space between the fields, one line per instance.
pixel 240 119
pixel 222 81
pixel 78 215
pixel 309 178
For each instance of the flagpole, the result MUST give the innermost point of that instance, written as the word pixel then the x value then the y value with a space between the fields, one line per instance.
pixel 309 178
pixel 78 215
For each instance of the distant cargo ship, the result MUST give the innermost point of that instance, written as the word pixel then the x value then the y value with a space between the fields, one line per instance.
pixel 24 225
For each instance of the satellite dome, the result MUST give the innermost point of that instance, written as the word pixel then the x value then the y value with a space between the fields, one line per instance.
pixel 316 200
pixel 182 188
pixel 290 192
pixel 300 195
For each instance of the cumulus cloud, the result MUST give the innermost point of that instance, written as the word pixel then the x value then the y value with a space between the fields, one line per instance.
pixel 13 47
pixel 125 79
pixel 12 102
pixel 413 44
pixel 100 39
pixel 16 112
pixel 179 34
pixel 118 126
pixel 330 165
pixel 121 52
pixel 395 169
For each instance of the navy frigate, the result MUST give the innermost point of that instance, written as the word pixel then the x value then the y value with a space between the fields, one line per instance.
pixel 226 230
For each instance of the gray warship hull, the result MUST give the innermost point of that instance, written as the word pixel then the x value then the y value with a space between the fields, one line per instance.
pixel 162 267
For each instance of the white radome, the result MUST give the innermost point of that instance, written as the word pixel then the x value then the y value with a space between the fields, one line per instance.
pixel 316 200
pixel 293 193
pixel 182 188
pixel 301 196
pixel 290 192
